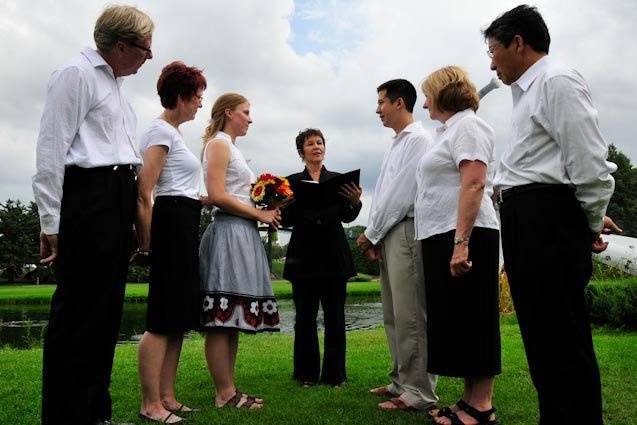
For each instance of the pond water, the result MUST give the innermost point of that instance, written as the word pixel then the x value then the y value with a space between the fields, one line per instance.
pixel 22 326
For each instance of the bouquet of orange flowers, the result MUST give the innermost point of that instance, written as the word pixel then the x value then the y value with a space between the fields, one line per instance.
pixel 270 191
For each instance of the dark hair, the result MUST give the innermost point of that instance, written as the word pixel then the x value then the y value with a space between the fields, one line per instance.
pixel 400 88
pixel 524 21
pixel 303 136
pixel 177 79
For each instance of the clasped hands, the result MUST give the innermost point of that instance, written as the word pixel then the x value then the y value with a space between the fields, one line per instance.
pixel 371 251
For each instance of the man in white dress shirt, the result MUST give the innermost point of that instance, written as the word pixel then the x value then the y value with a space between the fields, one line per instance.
pixel 390 238
pixel 555 185
pixel 86 193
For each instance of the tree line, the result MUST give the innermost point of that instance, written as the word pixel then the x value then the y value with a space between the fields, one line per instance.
pixel 20 227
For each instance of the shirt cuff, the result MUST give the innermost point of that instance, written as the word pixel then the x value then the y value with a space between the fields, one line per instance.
pixel 373 236
pixel 50 224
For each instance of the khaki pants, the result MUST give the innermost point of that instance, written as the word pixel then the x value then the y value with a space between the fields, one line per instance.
pixel 403 297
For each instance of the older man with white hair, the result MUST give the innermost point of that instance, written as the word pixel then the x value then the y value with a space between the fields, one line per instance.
pixel 86 193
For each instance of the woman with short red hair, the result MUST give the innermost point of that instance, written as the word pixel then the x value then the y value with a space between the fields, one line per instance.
pixel 169 229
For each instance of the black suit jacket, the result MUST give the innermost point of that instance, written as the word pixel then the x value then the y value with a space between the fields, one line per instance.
pixel 318 248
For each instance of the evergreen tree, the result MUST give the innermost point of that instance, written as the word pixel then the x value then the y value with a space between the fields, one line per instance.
pixel 623 205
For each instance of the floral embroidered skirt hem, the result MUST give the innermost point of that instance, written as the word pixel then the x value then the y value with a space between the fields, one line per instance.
pixel 236 292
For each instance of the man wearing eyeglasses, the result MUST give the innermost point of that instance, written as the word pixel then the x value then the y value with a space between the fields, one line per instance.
pixel 555 186
pixel 86 193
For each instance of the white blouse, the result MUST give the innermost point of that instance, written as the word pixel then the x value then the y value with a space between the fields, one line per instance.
pixel 239 177
pixel 181 173
pixel 463 137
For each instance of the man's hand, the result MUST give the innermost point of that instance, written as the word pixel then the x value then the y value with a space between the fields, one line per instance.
pixel 363 243
pixel 371 251
pixel 373 254
pixel 610 227
pixel 48 248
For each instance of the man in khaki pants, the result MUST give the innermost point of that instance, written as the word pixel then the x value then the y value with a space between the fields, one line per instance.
pixel 389 237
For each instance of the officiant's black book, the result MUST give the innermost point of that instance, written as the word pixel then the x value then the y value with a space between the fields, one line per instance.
pixel 311 194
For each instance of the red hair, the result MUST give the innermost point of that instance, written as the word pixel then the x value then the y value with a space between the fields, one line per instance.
pixel 178 79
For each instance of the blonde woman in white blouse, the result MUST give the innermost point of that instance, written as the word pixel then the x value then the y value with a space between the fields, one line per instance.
pixel 458 228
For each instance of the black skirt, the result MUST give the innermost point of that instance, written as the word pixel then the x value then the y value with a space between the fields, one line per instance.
pixel 173 294
pixel 463 321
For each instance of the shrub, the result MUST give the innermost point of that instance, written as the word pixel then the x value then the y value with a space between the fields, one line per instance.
pixel 361 277
pixel 602 271
pixel 613 303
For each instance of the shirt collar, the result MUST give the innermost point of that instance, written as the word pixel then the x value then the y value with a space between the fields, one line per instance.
pixel 454 119
pixel 96 60
pixel 535 70
pixel 414 126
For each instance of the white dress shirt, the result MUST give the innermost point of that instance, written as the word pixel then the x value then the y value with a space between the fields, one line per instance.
pixel 464 137
pixel 181 173
pixel 87 122
pixel 396 186
pixel 556 139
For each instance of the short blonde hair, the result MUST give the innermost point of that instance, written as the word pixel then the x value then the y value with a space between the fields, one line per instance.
pixel 119 22
pixel 451 90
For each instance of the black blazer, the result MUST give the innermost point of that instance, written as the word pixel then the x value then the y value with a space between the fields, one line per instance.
pixel 318 248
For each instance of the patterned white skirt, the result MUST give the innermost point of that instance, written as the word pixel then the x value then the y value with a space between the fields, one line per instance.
pixel 236 292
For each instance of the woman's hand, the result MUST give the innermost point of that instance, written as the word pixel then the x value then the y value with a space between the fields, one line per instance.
pixel 270 217
pixel 352 193
pixel 460 263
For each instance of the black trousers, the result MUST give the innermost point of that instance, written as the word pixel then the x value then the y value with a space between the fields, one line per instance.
pixel 547 254
pixel 307 296
pixel 94 238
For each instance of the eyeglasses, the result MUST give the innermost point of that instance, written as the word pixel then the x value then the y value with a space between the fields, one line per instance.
pixel 492 49
pixel 144 48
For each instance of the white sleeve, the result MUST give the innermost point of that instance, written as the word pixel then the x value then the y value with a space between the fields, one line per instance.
pixel 573 125
pixel 160 136
pixel 471 143
pixel 67 102
pixel 398 197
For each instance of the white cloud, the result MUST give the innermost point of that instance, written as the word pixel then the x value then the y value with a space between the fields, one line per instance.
pixel 248 46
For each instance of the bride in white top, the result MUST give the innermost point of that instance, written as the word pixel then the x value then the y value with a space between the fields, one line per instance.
pixel 235 277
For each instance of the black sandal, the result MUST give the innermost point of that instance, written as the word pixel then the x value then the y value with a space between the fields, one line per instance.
pixel 483 417
pixel 444 411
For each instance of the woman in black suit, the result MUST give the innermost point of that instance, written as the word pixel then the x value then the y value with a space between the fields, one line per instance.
pixel 318 263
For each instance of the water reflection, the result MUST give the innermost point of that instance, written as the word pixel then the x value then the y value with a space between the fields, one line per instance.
pixel 22 326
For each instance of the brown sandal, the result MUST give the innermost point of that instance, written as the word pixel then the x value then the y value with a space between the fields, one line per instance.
pixel 382 392
pixel 240 400
pixel 395 403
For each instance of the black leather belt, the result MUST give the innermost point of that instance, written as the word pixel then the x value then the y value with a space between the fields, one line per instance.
pixel 117 168
pixel 504 195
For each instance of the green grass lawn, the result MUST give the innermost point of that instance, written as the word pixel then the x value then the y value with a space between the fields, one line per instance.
pixel 265 366
pixel 138 291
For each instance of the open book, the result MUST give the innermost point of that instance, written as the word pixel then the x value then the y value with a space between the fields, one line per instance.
pixel 310 194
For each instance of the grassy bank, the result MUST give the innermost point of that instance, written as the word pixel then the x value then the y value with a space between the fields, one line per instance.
pixel 264 368
pixel 34 294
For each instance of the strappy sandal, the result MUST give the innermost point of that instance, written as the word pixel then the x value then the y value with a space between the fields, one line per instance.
pixel 256 399
pixel 395 404
pixel 240 400
pixel 483 417
pixel 162 421
pixel 443 411
pixel 180 410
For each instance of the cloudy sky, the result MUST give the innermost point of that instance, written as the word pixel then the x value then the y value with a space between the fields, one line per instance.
pixel 308 64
